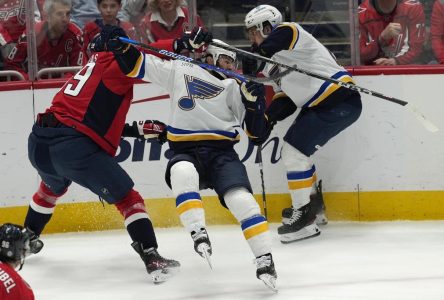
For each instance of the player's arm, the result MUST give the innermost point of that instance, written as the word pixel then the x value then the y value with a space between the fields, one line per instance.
pixel 283 37
pixel 280 108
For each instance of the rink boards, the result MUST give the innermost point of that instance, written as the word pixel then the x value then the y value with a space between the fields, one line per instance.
pixel 385 167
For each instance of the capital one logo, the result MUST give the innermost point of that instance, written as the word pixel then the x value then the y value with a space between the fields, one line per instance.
pixel 145 151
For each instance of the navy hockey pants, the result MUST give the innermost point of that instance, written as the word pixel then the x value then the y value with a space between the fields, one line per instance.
pixel 62 155
pixel 315 126
pixel 219 169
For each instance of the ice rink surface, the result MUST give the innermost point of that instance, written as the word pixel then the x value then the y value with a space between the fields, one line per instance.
pixel 388 260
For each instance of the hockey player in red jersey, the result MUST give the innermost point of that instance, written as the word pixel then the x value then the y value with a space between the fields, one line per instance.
pixel 76 139
pixel 392 32
pixel 59 42
pixel 14 242
pixel 108 10
pixel 12 23
pixel 437 30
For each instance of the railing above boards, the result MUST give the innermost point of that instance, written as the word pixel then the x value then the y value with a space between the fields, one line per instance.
pixel 9 75
pixel 49 73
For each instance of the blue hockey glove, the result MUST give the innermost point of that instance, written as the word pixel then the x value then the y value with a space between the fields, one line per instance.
pixel 253 95
pixel 108 40
pixel 192 40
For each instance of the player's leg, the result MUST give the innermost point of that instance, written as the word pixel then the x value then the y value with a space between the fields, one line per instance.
pixel 229 178
pixel 299 220
pixel 313 128
pixel 183 178
pixel 51 188
pixel 89 166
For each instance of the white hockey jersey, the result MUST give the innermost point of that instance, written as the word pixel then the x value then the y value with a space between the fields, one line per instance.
pixel 203 107
pixel 306 53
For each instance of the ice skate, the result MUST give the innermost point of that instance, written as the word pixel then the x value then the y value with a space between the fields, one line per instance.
pixel 299 224
pixel 202 244
pixel 35 244
pixel 317 203
pixel 266 271
pixel 161 269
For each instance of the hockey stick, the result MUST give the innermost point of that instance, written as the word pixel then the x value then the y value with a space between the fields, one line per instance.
pixel 421 118
pixel 261 170
pixel 243 78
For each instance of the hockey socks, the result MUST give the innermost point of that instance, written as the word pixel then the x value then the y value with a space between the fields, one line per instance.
pixel 137 222
pixel 41 209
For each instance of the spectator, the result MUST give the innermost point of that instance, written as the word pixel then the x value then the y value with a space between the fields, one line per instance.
pixel 14 243
pixel 108 10
pixel 12 24
pixel 133 11
pixel 437 30
pixel 167 19
pixel 392 32
pixel 58 41
pixel 84 11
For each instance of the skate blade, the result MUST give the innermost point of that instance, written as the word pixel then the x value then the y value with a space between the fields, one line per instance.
pixel 204 251
pixel 305 233
pixel 160 276
pixel 269 281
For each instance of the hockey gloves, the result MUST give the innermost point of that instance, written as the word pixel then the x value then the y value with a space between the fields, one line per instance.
pixel 108 40
pixel 149 129
pixel 192 40
pixel 253 96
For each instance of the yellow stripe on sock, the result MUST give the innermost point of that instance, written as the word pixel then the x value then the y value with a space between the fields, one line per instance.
pixel 185 206
pixel 256 230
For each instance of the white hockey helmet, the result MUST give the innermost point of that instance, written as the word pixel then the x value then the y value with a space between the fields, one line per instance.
pixel 261 14
pixel 215 51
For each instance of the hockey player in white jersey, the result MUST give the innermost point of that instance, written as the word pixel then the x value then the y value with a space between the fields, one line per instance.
pixel 206 111
pixel 326 108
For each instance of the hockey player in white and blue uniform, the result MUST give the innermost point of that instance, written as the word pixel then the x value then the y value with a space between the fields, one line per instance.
pixel 206 111
pixel 326 108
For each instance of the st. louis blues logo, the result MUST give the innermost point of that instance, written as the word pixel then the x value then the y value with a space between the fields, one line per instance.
pixel 198 89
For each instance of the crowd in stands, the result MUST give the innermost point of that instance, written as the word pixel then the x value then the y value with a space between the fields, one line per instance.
pixel 392 32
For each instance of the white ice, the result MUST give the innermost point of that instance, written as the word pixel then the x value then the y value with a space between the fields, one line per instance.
pixel 388 260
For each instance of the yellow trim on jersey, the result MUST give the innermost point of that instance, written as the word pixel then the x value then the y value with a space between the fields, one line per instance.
pixel 331 88
pixel 199 137
pixel 278 95
pixel 295 34
pixel 256 230
pixel 137 67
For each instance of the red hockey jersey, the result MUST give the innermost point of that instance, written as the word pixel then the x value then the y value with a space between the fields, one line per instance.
pixel 407 48
pixel 12 285
pixel 13 20
pixel 437 30
pixel 96 100
pixel 152 30
pixel 92 28
pixel 66 51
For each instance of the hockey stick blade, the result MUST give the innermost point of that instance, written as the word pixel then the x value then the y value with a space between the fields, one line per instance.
pixel 242 78
pixel 425 122
pixel 420 117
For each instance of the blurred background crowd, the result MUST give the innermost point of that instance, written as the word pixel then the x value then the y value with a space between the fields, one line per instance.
pixel 51 41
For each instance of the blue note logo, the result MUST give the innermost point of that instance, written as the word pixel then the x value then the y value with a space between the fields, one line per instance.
pixel 198 89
